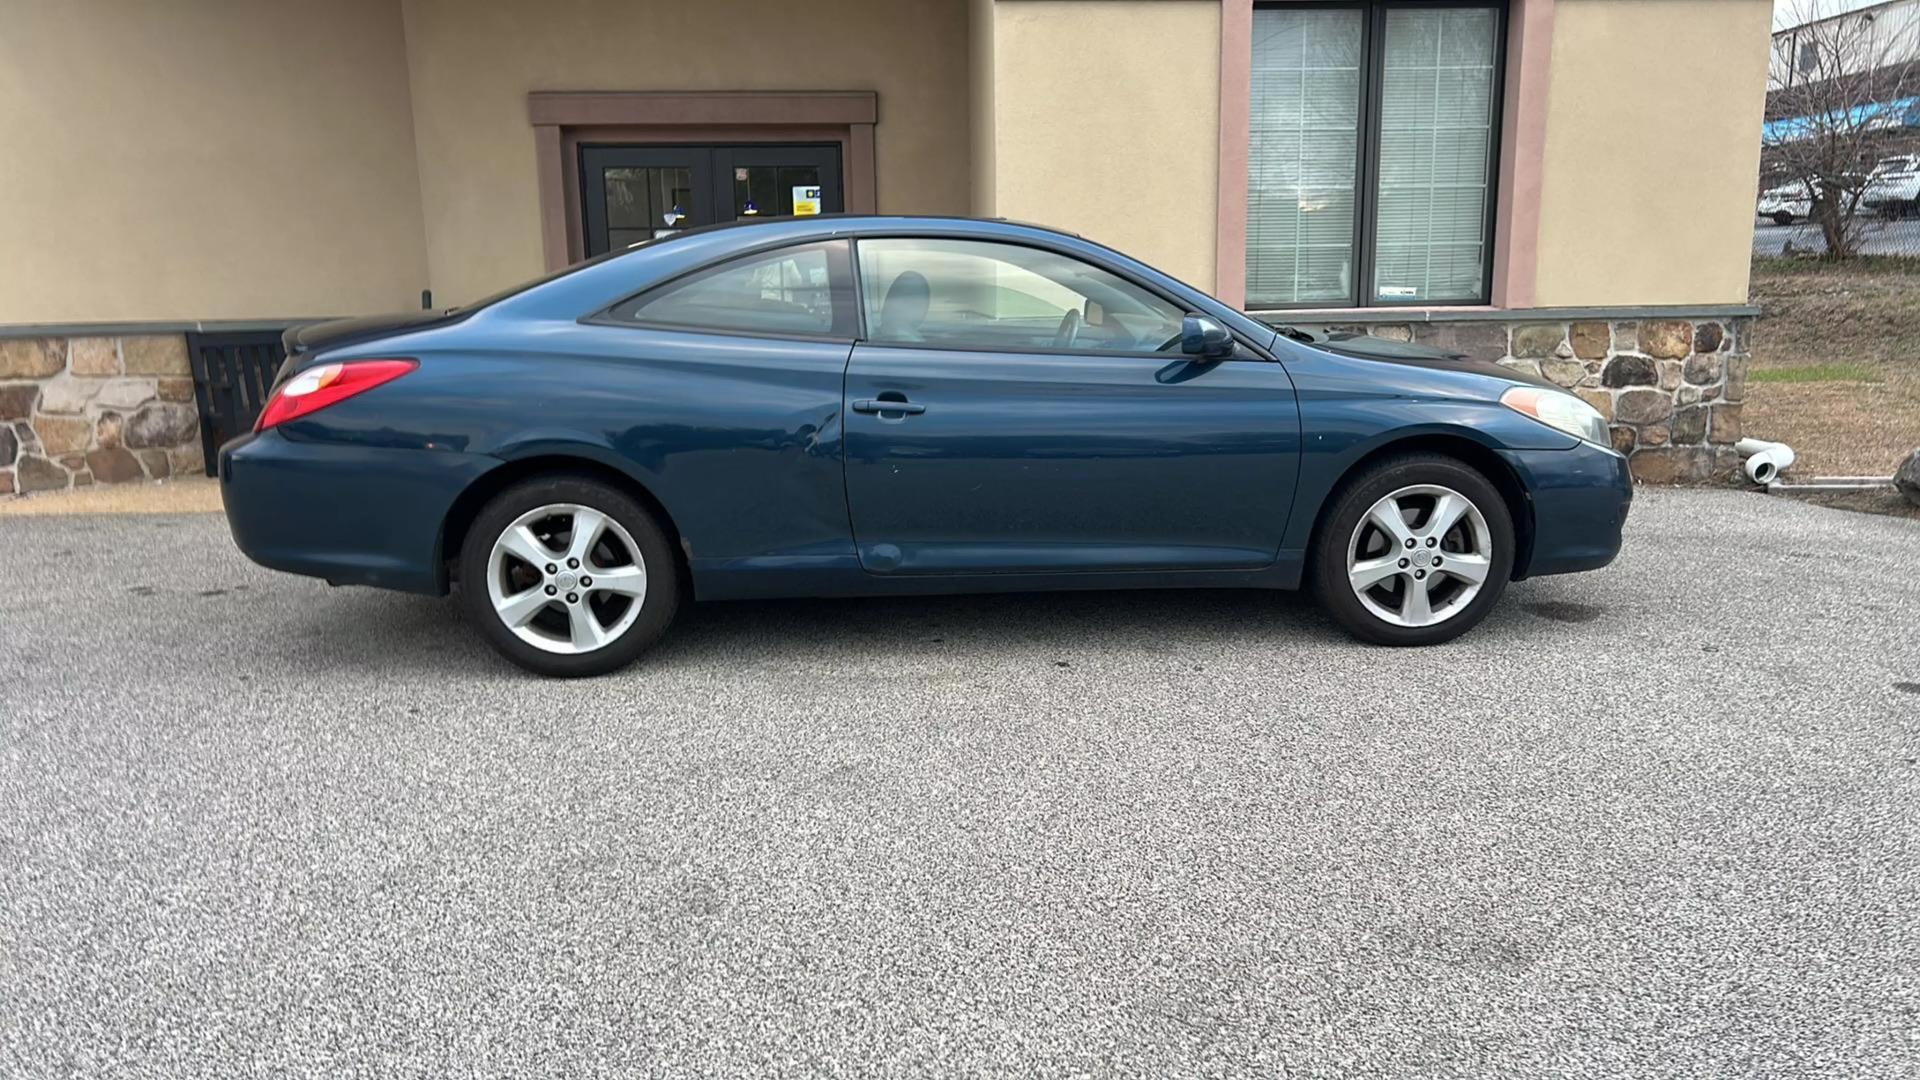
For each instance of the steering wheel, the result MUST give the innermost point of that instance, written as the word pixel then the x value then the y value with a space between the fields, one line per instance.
pixel 1069 330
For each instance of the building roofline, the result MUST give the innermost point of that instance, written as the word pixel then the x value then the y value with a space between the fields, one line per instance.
pixel 1862 10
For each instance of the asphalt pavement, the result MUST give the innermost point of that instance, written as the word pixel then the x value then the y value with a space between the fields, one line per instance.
pixel 1878 236
pixel 1660 820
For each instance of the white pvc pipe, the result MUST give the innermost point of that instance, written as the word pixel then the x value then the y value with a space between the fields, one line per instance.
pixel 1765 460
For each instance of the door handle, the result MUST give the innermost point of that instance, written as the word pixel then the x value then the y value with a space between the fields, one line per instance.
pixel 869 405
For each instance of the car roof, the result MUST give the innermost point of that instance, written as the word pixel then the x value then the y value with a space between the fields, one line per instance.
pixel 611 278
pixel 692 247
pixel 864 221
pixel 665 257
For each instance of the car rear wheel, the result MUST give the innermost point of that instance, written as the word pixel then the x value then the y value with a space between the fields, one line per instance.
pixel 1415 551
pixel 1782 217
pixel 568 577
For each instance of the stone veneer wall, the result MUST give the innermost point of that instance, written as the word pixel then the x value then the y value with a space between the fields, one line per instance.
pixel 1670 388
pixel 87 410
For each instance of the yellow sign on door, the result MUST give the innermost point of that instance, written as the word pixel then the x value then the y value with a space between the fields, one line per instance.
pixel 806 201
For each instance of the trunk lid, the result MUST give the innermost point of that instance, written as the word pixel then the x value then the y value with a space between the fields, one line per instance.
pixel 305 342
pixel 310 338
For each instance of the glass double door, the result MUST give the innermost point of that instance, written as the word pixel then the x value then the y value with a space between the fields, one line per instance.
pixel 634 193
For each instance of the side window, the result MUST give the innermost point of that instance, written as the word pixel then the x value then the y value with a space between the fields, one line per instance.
pixel 786 291
pixel 970 294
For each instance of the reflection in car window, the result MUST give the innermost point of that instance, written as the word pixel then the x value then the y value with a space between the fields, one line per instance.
pixel 778 292
pixel 970 294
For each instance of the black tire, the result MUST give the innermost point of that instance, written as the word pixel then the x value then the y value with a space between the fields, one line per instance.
pixel 1782 217
pixel 654 551
pixel 1327 572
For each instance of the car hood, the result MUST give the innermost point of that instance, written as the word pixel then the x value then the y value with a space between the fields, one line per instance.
pixel 1368 347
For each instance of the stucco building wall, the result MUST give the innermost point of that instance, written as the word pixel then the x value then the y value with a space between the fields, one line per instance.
pixel 258 160
pixel 1652 151
pixel 473 66
pixel 240 159
pixel 1105 121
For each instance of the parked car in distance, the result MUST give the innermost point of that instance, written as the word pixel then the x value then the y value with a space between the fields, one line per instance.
pixel 887 406
pixel 1786 203
pixel 1893 188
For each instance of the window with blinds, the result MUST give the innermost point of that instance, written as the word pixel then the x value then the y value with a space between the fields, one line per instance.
pixel 1370 161
pixel 1305 136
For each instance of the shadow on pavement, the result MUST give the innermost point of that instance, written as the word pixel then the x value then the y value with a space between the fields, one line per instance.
pixel 376 630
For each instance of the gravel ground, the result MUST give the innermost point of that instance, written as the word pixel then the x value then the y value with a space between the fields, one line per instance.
pixel 1661 820
pixel 181 495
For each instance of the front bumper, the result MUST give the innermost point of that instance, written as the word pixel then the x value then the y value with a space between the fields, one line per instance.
pixel 1580 499
pixel 354 515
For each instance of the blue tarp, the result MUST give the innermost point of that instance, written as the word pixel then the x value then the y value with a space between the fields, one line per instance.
pixel 1904 113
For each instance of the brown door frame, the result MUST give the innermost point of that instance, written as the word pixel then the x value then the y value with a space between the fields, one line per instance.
pixel 562 120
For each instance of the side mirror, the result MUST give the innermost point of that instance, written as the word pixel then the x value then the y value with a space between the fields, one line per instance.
pixel 1205 339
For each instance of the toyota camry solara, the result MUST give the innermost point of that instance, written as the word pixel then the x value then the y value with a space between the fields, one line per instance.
pixel 873 406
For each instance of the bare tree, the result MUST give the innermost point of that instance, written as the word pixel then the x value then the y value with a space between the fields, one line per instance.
pixel 1830 90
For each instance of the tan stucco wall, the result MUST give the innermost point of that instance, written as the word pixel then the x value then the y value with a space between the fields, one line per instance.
pixel 473 66
pixel 1652 149
pixel 1106 122
pixel 211 160
pixel 980 103
pixel 235 159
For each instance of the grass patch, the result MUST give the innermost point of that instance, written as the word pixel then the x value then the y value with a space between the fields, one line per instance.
pixel 1836 363
pixel 1766 266
pixel 1805 373
pixel 1778 266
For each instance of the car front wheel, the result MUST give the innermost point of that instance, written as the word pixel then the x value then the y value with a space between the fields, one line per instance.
pixel 1415 551
pixel 567 576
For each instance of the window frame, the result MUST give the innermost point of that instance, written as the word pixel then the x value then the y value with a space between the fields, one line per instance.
pixel 842 292
pixel 1366 187
pixel 1246 350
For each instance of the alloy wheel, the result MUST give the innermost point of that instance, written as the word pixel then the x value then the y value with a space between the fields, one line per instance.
pixel 566 579
pixel 1419 555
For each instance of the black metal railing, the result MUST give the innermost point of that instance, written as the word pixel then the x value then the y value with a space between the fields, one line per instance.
pixel 232 373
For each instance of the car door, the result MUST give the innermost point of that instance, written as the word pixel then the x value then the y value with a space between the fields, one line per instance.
pixel 1014 409
pixel 723 385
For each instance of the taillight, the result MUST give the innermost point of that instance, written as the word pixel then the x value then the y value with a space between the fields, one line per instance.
pixel 324 384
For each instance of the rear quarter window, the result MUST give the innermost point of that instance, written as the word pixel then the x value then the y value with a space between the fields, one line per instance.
pixel 788 291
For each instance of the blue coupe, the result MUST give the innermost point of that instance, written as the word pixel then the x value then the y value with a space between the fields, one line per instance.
pixel 868 406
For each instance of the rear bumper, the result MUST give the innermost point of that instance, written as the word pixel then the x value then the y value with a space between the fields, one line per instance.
pixel 1580 500
pixel 354 515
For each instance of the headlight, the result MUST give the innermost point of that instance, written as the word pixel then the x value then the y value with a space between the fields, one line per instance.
pixel 1560 410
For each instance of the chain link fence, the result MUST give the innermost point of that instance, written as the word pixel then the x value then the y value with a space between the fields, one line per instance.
pixel 1875 235
pixel 1880 206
